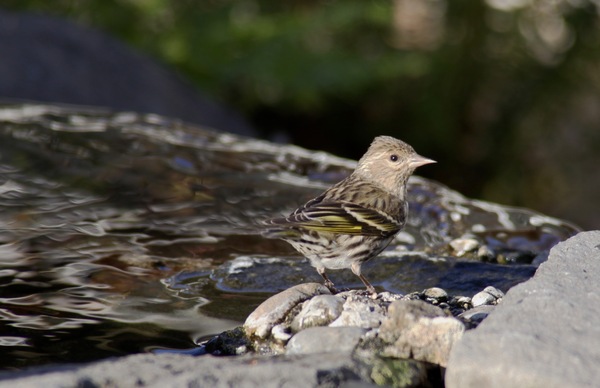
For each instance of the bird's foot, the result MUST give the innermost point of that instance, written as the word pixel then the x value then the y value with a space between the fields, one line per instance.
pixel 371 293
pixel 329 284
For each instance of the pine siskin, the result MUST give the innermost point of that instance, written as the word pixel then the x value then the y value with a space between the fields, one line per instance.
pixel 355 219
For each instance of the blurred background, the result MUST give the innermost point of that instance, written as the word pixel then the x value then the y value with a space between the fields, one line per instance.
pixel 504 94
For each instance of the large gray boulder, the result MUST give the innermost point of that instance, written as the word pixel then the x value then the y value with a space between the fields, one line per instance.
pixel 169 370
pixel 47 59
pixel 545 333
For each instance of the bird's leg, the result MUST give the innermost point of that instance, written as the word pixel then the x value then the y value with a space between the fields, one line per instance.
pixel 356 270
pixel 328 283
pixel 370 288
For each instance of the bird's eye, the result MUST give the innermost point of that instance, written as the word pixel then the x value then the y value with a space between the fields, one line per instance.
pixel 394 158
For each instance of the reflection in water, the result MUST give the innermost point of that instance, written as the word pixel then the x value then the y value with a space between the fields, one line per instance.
pixel 124 233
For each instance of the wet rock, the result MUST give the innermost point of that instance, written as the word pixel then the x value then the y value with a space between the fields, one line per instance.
pixel 247 273
pixel 228 343
pixel 325 339
pixel 545 333
pixel 318 311
pixel 415 329
pixel 275 309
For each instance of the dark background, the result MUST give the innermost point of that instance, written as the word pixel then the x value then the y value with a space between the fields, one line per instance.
pixel 504 94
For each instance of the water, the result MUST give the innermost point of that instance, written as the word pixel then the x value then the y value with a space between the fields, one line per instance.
pixel 126 233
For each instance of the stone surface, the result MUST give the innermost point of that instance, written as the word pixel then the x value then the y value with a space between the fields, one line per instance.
pixel 482 298
pixel 545 333
pixel 436 293
pixel 319 311
pixel 280 333
pixel 274 310
pixel 415 329
pixel 476 315
pixel 493 291
pixel 360 311
pixel 463 245
pixel 325 340
pixel 173 371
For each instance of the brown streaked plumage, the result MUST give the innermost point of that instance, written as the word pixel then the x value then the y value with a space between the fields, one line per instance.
pixel 354 220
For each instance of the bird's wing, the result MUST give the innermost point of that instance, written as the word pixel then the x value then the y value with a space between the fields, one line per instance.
pixel 342 218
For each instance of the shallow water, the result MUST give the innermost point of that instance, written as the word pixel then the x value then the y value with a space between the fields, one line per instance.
pixel 126 233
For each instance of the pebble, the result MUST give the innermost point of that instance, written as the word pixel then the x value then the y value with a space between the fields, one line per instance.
pixel 482 298
pixel 496 293
pixel 321 310
pixel 280 333
pixel 464 245
pixel 484 253
pixel 436 293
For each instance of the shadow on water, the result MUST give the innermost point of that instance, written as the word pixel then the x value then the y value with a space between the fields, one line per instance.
pixel 125 233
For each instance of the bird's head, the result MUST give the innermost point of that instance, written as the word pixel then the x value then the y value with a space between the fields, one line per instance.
pixel 389 163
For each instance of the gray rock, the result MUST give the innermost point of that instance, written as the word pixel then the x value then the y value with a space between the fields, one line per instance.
pixel 275 309
pixel 436 293
pixel 485 253
pixel 493 291
pixel 387 296
pixel 464 301
pixel 280 333
pixel 53 60
pixel 545 333
pixel 361 311
pixel 168 370
pixel 415 329
pixel 325 339
pixel 482 298
pixel 318 311
pixel 476 314
pixel 464 245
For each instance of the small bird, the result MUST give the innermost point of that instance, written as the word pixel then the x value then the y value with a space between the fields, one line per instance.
pixel 356 219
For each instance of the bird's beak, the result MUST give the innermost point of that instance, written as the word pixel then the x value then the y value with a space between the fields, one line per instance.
pixel 419 160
